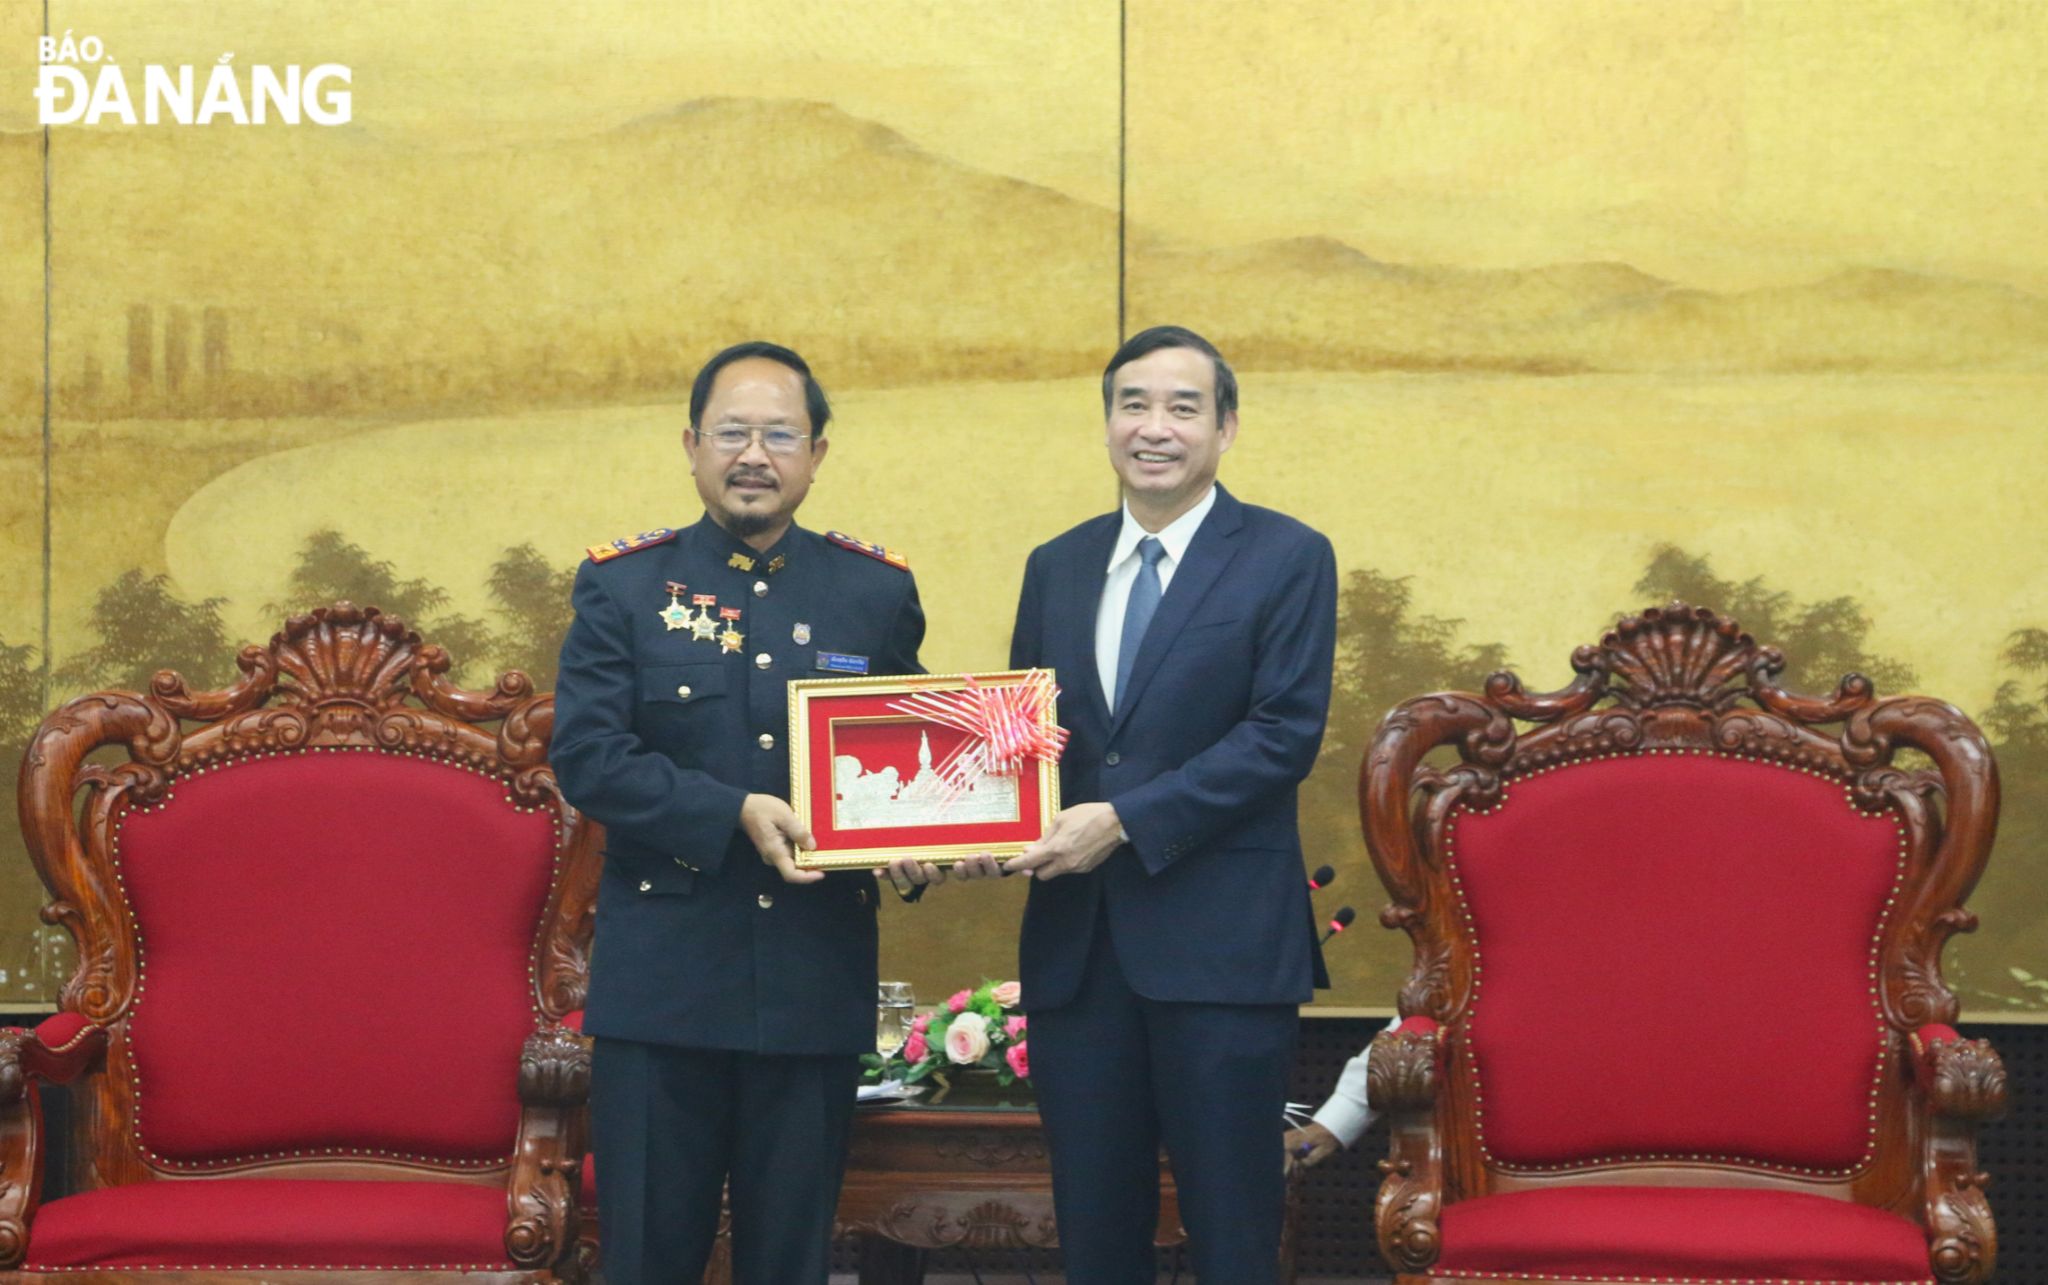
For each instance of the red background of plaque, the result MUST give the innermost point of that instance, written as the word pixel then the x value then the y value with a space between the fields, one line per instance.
pixel 821 711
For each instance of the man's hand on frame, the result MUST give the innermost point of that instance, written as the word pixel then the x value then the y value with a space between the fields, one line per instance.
pixel 777 833
pixel 981 865
pixel 1081 838
pixel 908 873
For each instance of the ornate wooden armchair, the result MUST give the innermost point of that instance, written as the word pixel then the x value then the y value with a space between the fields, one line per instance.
pixel 1677 1011
pixel 328 927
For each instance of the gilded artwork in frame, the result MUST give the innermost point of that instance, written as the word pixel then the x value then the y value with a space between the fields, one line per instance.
pixel 876 776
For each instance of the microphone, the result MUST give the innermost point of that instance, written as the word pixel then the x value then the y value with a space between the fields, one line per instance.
pixel 1322 878
pixel 1338 923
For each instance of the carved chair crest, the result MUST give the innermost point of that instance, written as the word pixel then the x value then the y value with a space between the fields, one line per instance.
pixel 1683 678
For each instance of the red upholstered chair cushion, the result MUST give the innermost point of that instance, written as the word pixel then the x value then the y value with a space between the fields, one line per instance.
pixel 1679 1234
pixel 335 954
pixel 274 1223
pixel 1675 959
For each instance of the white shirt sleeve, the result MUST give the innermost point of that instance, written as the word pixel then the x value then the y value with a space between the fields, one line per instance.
pixel 1347 1114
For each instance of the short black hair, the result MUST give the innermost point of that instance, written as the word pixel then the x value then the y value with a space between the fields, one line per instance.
pixel 815 404
pixel 1147 342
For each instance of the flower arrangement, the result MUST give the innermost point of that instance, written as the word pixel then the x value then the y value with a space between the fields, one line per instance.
pixel 975 1028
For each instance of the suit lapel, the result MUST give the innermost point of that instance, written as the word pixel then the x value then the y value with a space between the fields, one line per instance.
pixel 1082 594
pixel 1214 545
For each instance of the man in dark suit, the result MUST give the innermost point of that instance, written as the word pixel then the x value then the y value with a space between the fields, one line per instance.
pixel 1167 940
pixel 731 992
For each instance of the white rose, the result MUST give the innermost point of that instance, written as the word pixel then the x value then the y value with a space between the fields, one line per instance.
pixel 967 1039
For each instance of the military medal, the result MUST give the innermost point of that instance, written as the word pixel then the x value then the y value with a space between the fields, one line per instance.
pixel 732 639
pixel 801 634
pixel 703 626
pixel 740 560
pixel 675 615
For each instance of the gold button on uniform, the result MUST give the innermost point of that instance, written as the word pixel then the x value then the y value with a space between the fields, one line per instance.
pixel 684 691
pixel 760 588
pixel 764 901
pixel 763 660
pixel 767 740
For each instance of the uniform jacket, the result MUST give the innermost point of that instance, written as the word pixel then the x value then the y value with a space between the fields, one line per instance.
pixel 1221 721
pixel 660 734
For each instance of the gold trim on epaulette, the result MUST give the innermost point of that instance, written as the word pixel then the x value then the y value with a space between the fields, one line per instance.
pixel 875 551
pixel 630 544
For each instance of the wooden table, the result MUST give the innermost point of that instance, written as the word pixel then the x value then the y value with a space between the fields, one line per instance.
pixel 969 1175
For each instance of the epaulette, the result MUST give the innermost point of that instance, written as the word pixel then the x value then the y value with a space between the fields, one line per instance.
pixel 875 551
pixel 630 544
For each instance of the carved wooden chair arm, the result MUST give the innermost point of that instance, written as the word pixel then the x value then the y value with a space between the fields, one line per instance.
pixel 1963 1082
pixel 1404 1066
pixel 57 1051
pixel 1403 1072
pixel 554 1086
pixel 554 1068
pixel 1963 1079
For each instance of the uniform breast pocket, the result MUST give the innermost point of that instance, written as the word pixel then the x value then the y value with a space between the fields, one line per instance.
pixel 679 703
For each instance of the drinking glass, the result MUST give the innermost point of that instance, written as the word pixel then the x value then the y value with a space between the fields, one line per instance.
pixel 893 1004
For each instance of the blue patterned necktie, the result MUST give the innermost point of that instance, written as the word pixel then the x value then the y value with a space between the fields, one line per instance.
pixel 1138 611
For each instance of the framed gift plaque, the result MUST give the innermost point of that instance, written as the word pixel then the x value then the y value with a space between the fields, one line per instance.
pixel 933 766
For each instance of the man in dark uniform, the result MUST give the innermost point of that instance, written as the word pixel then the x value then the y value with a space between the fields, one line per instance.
pixel 730 992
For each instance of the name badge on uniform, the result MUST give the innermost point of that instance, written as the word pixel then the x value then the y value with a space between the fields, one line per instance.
pixel 833 662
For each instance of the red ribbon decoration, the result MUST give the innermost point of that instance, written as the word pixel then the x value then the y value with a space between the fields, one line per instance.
pixel 1005 725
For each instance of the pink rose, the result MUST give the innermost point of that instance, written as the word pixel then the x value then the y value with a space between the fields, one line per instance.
pixel 1014 1027
pixel 920 1024
pixel 959 1002
pixel 967 1039
pixel 915 1049
pixel 1008 994
pixel 1019 1060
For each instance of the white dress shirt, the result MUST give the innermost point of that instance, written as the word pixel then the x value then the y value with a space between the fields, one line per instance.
pixel 1123 571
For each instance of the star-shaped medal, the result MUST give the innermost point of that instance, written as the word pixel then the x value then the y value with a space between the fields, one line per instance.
pixel 732 639
pixel 703 628
pixel 675 615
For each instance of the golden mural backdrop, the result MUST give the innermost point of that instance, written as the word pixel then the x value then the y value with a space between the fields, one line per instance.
pixel 1542 312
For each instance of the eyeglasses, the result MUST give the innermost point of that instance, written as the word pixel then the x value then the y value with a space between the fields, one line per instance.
pixel 731 439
